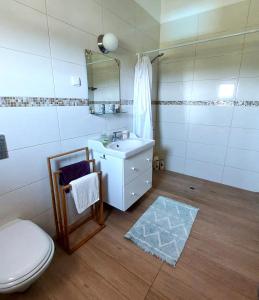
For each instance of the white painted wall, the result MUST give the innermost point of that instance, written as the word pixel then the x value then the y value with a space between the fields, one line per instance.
pixel 41 45
pixel 211 142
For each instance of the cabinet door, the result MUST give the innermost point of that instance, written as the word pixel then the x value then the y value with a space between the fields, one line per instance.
pixel 136 165
pixel 137 188
pixel 112 169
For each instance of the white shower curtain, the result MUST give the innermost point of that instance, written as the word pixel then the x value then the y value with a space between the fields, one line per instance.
pixel 142 112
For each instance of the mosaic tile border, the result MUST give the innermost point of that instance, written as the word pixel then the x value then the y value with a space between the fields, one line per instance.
pixel 34 101
pixel 41 101
pixel 209 103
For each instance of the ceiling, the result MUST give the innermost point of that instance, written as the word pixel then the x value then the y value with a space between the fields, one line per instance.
pixel 177 9
pixel 168 10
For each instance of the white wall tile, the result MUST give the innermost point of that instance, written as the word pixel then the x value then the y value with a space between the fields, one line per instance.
pixel 246 117
pixel 243 159
pixel 173 113
pixel 148 25
pixel 211 115
pixel 73 26
pixel 46 221
pixel 118 122
pixel 211 135
pixel 226 19
pixel 251 42
pixel 241 179
pixel 68 43
pixel 23 28
pixel 123 30
pixel 179 30
pixel 76 121
pixel 26 166
pixel 206 90
pixel 219 67
pixel 250 64
pixel 244 138
pixel 215 48
pixel 142 42
pixel 29 126
pixel 26 202
pixel 63 72
pixel 175 163
pixel 84 14
pixel 125 9
pixel 222 70
pixel 36 4
pixel 175 91
pixel 176 71
pixel 172 147
pixel 253 18
pixel 25 75
pixel 207 153
pixel 248 89
pixel 76 143
pixel 204 170
pixel 173 131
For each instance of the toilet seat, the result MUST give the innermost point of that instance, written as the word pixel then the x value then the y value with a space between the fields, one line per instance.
pixel 25 252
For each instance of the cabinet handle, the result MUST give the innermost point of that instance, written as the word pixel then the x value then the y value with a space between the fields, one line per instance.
pixel 133 194
pixel 133 169
pixel 103 156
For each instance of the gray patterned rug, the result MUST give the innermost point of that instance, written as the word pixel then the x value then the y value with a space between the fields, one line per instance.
pixel 164 229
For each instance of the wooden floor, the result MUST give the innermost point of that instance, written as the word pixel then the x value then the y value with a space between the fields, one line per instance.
pixel 220 260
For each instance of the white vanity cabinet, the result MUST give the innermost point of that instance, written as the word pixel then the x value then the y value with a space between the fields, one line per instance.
pixel 125 180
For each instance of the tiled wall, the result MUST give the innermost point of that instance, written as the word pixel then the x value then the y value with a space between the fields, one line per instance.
pixel 216 142
pixel 41 45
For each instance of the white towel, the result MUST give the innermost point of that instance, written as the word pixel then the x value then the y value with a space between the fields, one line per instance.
pixel 85 191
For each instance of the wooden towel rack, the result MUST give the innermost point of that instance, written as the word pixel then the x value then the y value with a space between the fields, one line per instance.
pixel 59 201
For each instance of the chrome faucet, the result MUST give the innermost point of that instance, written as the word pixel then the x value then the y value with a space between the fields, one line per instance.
pixel 116 135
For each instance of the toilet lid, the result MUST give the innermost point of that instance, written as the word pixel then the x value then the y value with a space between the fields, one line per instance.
pixel 23 246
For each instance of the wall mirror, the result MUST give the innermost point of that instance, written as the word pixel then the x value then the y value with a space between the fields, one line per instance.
pixel 103 73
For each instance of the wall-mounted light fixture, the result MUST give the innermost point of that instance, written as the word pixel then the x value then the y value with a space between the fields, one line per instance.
pixel 107 42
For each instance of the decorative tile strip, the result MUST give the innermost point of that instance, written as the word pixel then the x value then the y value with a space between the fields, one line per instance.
pixel 209 103
pixel 39 101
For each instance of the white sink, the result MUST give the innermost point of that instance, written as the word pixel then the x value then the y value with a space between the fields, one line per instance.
pixel 122 148
pixel 126 145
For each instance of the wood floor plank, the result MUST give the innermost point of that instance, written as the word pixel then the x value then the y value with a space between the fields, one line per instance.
pixel 219 261
pixel 84 278
pixel 127 254
pixel 171 287
pixel 127 283
pixel 220 275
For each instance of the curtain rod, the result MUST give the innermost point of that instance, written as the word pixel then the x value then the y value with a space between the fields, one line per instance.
pixel 201 41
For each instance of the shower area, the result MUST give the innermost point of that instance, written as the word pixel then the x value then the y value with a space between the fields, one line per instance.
pixel 205 115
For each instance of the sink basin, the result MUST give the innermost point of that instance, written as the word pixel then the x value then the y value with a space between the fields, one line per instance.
pixel 122 148
pixel 126 145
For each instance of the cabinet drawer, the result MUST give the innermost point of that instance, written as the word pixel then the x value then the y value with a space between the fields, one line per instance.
pixel 137 188
pixel 136 165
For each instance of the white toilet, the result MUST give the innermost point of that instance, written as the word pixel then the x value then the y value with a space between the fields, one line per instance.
pixel 25 253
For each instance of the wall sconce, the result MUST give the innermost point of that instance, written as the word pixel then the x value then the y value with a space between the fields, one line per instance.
pixel 107 42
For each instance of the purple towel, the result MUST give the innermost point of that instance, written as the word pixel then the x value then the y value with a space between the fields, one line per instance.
pixel 74 171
